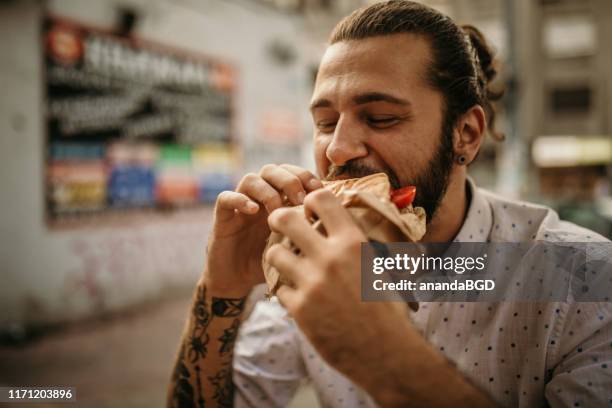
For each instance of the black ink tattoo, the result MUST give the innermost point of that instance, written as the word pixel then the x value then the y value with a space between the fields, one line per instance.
pixel 228 337
pixel 224 390
pixel 200 308
pixel 227 307
pixel 199 339
pixel 200 398
pixel 182 393
pixel 197 347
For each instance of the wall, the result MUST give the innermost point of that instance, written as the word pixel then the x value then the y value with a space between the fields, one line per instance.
pixel 52 275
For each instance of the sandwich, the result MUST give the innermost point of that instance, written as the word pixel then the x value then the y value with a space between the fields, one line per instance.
pixel 383 214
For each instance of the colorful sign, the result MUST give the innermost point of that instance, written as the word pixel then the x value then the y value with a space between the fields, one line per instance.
pixel 132 124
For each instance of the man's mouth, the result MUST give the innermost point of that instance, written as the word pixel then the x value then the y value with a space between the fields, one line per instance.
pixel 353 169
pixel 348 171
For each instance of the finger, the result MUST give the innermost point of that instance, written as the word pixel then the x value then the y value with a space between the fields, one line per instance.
pixel 230 201
pixel 287 263
pixel 292 223
pixel 284 181
pixel 327 207
pixel 288 297
pixel 309 180
pixel 259 190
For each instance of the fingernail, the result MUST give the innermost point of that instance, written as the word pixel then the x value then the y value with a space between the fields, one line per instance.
pixel 250 205
pixel 314 184
pixel 300 197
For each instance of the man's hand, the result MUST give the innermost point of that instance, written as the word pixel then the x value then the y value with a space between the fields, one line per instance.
pixel 326 297
pixel 203 370
pixel 240 230
pixel 372 343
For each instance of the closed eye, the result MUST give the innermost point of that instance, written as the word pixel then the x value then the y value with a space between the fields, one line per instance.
pixel 383 122
pixel 326 126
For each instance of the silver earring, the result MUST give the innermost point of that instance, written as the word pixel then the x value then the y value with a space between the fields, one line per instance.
pixel 461 159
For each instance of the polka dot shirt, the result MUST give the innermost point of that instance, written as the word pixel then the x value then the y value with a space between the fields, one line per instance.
pixel 522 354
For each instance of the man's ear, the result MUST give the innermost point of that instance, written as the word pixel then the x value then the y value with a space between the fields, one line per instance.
pixel 469 133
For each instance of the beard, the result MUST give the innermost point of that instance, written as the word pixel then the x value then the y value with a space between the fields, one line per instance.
pixel 431 182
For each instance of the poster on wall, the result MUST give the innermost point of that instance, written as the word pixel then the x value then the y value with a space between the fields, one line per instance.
pixel 132 124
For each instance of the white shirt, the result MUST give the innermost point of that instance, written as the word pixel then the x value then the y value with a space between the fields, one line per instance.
pixel 522 354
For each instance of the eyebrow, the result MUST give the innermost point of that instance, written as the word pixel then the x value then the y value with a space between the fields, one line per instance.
pixel 362 99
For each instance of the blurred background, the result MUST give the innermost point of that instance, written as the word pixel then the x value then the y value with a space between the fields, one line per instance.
pixel 121 120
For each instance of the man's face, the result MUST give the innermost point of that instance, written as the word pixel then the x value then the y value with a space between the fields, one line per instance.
pixel 374 111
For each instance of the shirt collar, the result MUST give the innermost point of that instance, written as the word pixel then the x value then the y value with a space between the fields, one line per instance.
pixel 479 219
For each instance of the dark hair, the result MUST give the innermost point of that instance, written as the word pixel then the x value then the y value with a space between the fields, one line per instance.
pixel 463 64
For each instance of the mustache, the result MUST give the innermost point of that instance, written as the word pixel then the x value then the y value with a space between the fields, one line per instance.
pixel 355 169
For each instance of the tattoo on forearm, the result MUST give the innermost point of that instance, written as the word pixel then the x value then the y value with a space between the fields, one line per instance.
pixel 187 389
pixel 200 308
pixel 229 337
pixel 198 340
pixel 224 391
pixel 182 391
pixel 197 347
pixel 227 307
pixel 200 397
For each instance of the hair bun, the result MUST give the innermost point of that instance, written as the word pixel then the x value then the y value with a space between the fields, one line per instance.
pixel 483 50
pixel 488 66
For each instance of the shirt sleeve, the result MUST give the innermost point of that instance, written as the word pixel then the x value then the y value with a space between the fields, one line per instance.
pixel 582 359
pixel 267 365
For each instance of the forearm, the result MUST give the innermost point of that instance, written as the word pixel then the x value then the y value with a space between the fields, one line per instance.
pixel 203 370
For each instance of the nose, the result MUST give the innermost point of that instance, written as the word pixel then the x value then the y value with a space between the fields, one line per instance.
pixel 347 143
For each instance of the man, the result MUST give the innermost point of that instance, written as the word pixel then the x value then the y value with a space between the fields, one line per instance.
pixel 403 90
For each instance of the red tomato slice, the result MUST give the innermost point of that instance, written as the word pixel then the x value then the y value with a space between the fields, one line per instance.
pixel 403 197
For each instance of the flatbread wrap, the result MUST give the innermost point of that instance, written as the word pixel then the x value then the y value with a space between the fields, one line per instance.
pixel 372 204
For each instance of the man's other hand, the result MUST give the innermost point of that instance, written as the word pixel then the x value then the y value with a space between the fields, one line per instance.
pixel 240 230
